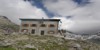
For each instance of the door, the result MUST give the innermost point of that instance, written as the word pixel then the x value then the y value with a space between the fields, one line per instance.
pixel 33 31
pixel 42 32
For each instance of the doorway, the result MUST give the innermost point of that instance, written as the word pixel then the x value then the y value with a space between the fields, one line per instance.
pixel 42 32
pixel 33 31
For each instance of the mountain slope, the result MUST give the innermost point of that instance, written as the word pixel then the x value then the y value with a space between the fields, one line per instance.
pixel 23 42
pixel 32 42
pixel 6 26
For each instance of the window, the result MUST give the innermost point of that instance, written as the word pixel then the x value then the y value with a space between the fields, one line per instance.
pixel 42 32
pixel 33 31
pixel 33 25
pixel 25 25
pixel 51 25
pixel 24 30
pixel 51 32
pixel 43 25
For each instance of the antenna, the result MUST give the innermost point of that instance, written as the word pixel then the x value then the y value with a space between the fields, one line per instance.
pixel 42 17
pixel 41 21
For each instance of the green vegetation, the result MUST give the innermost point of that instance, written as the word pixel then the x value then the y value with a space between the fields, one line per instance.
pixel 6 48
pixel 12 27
pixel 18 41
pixel 30 49
pixel 43 43
pixel 6 24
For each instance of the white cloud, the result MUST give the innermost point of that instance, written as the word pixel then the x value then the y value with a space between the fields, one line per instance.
pixel 65 23
pixel 60 7
pixel 86 18
pixel 15 9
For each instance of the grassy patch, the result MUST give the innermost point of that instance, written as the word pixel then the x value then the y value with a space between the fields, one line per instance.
pixel 7 48
pixel 30 49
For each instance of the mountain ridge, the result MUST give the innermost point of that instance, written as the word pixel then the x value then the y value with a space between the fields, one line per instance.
pixel 7 26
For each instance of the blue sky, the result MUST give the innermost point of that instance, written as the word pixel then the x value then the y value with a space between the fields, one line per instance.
pixel 76 15
pixel 79 11
pixel 82 2
pixel 39 4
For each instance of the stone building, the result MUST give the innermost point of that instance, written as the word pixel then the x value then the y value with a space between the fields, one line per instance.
pixel 39 26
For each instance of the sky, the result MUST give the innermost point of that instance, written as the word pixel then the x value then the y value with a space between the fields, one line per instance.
pixel 78 16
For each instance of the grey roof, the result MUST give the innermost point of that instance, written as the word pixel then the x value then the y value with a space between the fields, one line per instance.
pixel 40 19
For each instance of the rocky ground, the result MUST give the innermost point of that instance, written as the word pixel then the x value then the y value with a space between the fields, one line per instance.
pixel 10 40
pixel 6 26
pixel 34 42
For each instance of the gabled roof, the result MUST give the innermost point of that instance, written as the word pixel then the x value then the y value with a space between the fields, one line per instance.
pixel 40 19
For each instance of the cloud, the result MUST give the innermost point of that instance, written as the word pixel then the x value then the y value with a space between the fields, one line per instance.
pixel 60 7
pixel 15 9
pixel 64 23
pixel 86 18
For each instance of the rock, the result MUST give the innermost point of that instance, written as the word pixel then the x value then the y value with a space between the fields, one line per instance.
pixel 7 26
pixel 29 46
pixel 74 46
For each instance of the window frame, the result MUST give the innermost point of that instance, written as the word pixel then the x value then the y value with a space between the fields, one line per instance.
pixel 43 25
pixel 25 25
pixel 24 30
pixel 51 25
pixel 33 25
pixel 51 32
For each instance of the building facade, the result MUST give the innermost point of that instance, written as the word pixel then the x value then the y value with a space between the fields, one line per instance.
pixel 39 26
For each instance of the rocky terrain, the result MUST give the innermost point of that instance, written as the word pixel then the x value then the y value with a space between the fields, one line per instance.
pixel 6 26
pixel 10 39
pixel 34 42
